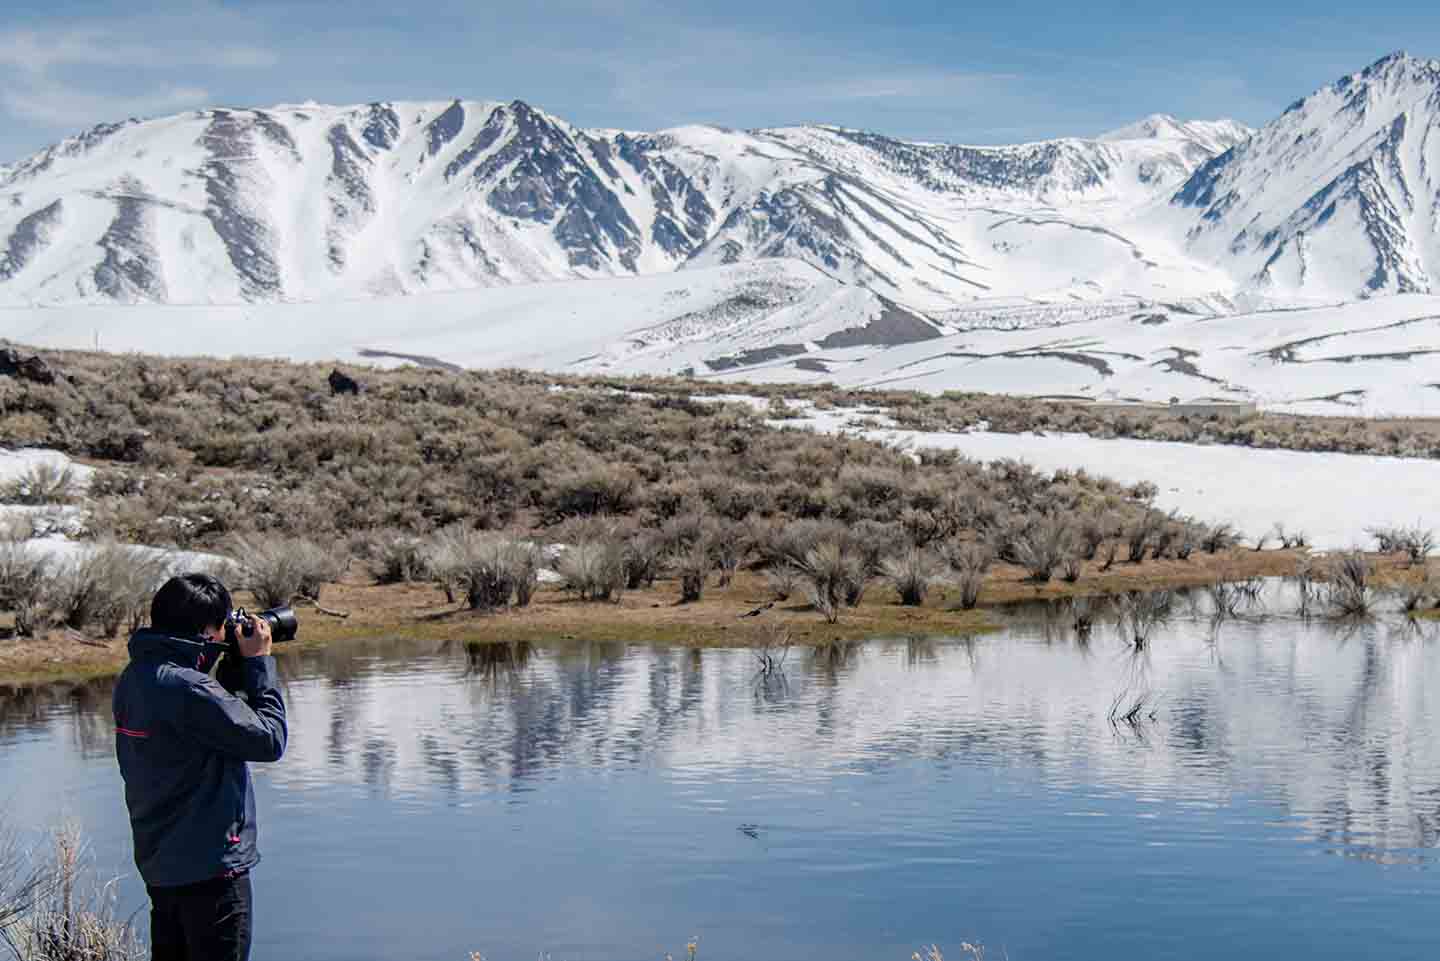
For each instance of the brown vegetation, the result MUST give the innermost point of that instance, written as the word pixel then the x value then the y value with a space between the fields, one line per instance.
pixel 450 484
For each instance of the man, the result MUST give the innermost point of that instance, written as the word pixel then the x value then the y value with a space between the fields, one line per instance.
pixel 183 741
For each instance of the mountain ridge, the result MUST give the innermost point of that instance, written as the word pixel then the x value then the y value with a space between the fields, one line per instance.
pixel 1357 206
pixel 1337 198
pixel 312 201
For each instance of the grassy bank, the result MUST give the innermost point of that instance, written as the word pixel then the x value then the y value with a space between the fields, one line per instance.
pixel 653 614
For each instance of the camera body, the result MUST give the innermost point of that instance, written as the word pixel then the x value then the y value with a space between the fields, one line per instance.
pixel 282 620
pixel 283 625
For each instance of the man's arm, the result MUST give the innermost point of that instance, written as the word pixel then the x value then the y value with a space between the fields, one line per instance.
pixel 222 721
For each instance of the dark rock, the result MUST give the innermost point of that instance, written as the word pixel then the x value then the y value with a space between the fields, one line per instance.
pixel 382 126
pixel 29 237
pixel 444 128
pixel 246 236
pixel 128 448
pixel 893 327
pixel 31 368
pixel 130 270
pixel 341 383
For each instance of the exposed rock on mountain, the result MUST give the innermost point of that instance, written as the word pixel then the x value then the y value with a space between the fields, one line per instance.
pixel 313 202
pixel 1337 197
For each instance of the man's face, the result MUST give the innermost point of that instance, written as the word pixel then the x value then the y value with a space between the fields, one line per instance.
pixel 215 635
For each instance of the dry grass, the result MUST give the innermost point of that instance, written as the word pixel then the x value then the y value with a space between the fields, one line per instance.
pixel 63 913
pixel 653 615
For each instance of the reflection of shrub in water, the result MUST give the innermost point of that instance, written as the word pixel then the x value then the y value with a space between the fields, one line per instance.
pixel 1309 592
pixel 773 651
pixel 1349 592
pixel 1084 611
pixel 1416 593
pixel 1232 596
pixel 1139 613
pixel 489 661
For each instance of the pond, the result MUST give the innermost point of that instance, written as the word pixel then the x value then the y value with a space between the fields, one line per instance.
pixel 1277 796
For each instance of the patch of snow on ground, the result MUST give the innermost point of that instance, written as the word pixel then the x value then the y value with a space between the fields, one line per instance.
pixel 15 464
pixel 54 530
pixel 1333 498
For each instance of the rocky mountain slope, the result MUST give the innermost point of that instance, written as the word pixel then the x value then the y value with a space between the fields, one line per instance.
pixel 314 202
pixel 1338 197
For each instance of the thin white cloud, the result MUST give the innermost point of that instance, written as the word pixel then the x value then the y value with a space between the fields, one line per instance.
pixel 55 78
pixel 36 53
pixel 65 106
pixel 900 85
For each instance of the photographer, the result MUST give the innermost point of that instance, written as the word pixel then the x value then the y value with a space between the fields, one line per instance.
pixel 183 740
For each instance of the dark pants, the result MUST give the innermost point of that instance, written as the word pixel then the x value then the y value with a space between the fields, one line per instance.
pixel 209 921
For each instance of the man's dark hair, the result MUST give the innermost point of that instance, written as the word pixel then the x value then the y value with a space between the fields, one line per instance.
pixel 186 605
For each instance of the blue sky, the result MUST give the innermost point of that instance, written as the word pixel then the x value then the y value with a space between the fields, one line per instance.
pixel 982 73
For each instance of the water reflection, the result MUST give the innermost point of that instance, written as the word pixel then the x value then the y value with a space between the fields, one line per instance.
pixel 1330 719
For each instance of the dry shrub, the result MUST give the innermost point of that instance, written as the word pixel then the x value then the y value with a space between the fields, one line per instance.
pixel 968 563
pixel 911 573
pixel 1349 591
pixel 110 585
pixel 24 583
pixel 833 574
pixel 924 527
pixel 422 449
pixel 1415 594
pixel 444 552
pixel 1090 534
pixel 1290 540
pixel 594 569
pixel 489 571
pixel 592 491
pixel 644 558
pixel 68 917
pixel 1218 537
pixel 399 557
pixel 1167 535
pixel 1140 533
pixel 46 482
pixel 784 580
pixel 730 545
pixel 693 565
pixel 1416 542
pixel 277 570
pixel 1043 545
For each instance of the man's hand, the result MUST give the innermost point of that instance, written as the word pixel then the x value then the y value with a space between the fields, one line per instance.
pixel 258 643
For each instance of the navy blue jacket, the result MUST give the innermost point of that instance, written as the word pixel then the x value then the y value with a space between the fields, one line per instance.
pixel 182 741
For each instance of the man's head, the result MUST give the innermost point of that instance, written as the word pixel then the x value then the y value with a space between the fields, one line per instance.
pixel 190 605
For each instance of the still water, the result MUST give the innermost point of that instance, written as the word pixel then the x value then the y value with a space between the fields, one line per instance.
pixel 614 801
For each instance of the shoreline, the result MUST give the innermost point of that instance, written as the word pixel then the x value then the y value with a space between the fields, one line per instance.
pixel 653 615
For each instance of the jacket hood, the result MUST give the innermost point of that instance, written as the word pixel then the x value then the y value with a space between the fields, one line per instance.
pixel 195 652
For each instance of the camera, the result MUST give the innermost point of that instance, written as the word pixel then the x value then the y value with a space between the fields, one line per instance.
pixel 282 620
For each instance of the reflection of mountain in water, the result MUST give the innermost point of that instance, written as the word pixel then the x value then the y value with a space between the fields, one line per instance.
pixel 1332 723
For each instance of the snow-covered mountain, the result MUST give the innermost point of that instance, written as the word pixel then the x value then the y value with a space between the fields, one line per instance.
pixel 1176 256
pixel 316 202
pixel 1340 196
